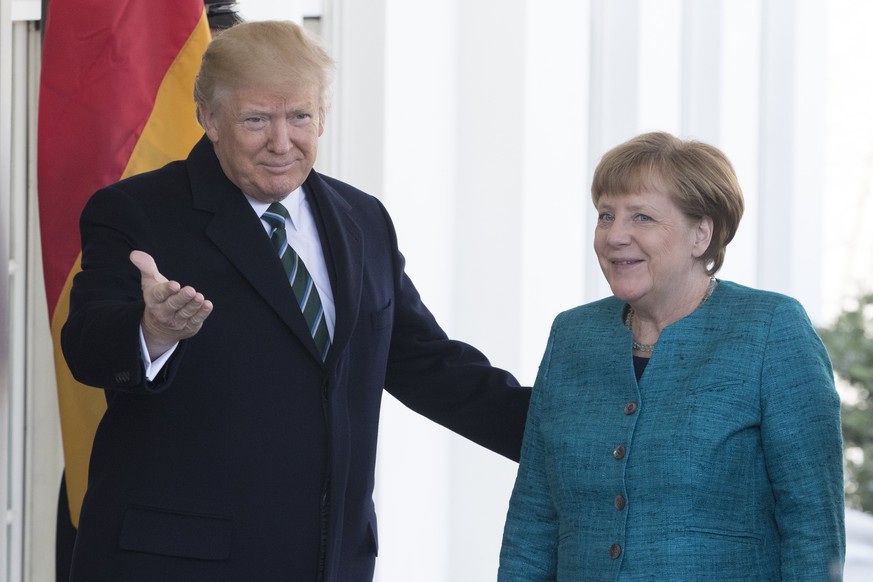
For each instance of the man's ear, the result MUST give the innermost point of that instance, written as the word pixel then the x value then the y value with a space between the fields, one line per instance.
pixel 207 118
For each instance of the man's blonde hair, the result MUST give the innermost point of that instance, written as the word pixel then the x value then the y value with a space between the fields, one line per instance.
pixel 263 54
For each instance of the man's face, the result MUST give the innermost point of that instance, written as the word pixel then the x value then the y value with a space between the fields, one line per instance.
pixel 266 139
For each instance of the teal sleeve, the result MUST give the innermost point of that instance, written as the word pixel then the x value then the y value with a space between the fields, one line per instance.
pixel 801 437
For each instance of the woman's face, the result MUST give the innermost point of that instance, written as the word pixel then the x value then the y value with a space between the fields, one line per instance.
pixel 649 251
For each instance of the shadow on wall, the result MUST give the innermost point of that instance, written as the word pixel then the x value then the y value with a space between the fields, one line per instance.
pixel 859 547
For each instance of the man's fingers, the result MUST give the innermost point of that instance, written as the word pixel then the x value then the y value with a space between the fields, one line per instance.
pixel 180 310
pixel 180 299
pixel 201 314
pixel 190 302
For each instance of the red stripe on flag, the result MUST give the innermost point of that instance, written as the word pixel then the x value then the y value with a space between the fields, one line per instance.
pixel 102 64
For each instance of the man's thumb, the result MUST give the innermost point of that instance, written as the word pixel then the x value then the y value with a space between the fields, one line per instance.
pixel 147 267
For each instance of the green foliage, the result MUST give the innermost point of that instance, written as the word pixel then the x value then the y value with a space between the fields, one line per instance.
pixel 849 341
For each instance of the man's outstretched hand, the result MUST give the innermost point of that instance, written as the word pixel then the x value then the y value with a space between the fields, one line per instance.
pixel 172 312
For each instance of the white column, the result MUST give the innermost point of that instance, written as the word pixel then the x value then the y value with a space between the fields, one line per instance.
pixel 660 54
pixel 807 201
pixel 355 130
pixel 414 142
pixel 848 154
pixel 789 227
pixel 701 80
pixel 614 96
pixel 44 460
pixel 490 144
pixel 10 457
pixel 739 116
pixel 556 209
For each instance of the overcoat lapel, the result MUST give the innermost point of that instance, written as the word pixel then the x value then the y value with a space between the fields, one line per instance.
pixel 343 246
pixel 237 232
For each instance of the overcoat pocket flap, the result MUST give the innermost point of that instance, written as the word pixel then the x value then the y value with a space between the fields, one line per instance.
pixel 169 533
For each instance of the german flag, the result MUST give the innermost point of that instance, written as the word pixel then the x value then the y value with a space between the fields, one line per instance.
pixel 115 100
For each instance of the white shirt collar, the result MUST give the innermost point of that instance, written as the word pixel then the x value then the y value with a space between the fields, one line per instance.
pixel 293 204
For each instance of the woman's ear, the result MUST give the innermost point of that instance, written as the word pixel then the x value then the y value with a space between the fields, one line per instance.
pixel 703 236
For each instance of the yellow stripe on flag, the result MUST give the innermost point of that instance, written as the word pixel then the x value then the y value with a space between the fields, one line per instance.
pixel 81 409
pixel 169 134
pixel 172 129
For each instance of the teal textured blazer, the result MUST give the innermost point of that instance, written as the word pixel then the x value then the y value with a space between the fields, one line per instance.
pixel 724 462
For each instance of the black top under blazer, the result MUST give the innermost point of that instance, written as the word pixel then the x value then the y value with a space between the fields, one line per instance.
pixel 218 470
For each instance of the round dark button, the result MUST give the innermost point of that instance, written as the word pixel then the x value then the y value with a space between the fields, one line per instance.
pixel 619 452
pixel 630 407
pixel 620 502
pixel 615 551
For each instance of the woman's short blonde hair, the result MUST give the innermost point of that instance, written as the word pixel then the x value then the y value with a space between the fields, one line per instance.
pixel 698 176
pixel 263 54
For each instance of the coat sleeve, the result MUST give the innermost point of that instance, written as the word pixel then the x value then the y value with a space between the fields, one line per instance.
pixel 446 380
pixel 530 536
pixel 801 437
pixel 100 339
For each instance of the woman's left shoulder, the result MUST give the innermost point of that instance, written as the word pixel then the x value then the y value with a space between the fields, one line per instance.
pixel 738 297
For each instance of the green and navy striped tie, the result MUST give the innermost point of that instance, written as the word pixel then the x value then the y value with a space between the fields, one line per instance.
pixel 299 277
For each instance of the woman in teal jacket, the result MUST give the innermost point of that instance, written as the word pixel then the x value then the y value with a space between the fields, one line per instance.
pixel 686 428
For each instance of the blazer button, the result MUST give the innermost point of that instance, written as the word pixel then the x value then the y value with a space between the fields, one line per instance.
pixel 630 407
pixel 620 502
pixel 615 551
pixel 619 452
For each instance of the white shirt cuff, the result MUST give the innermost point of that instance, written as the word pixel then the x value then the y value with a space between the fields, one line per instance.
pixel 153 368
